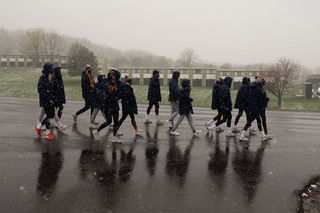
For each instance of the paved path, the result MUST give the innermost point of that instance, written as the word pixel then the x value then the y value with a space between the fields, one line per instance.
pixel 156 172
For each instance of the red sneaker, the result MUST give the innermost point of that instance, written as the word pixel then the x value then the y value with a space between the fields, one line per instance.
pixel 49 136
pixel 38 131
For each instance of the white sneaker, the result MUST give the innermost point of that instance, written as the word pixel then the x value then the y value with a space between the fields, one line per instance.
pixel 269 136
pixel 210 133
pixel 219 129
pixel 74 117
pixel 197 132
pixel 92 126
pixel 252 131
pixel 235 130
pixel 119 133
pixel 169 123
pixel 264 138
pixel 230 134
pixel 174 133
pixel 62 127
pixel 116 140
pixel 96 135
pixel 243 139
pixel 160 122
pixel 139 132
pixel 146 121
pixel 207 126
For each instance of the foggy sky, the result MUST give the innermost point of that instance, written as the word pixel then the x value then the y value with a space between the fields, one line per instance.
pixel 242 32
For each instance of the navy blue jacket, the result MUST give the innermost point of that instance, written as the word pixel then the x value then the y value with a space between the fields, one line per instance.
pixel 256 105
pixel 174 87
pixel 185 106
pixel 110 100
pixel 128 100
pixel 46 89
pixel 225 102
pixel 98 94
pixel 215 95
pixel 154 93
pixel 87 90
pixel 60 97
pixel 243 94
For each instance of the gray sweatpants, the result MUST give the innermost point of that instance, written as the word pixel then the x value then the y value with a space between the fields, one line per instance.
pixel 42 113
pixel 94 114
pixel 174 110
pixel 189 118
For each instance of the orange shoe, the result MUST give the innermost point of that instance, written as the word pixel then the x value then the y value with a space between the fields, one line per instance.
pixel 49 136
pixel 38 131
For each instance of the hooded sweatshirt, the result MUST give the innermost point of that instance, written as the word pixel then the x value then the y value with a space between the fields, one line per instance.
pixel 46 88
pixel 60 97
pixel 243 95
pixel 225 102
pixel 154 93
pixel 174 87
pixel 215 95
pixel 185 106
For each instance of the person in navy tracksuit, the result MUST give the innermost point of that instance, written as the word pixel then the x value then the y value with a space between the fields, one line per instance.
pixel 97 97
pixel 46 98
pixel 185 108
pixel 154 96
pixel 225 105
pixel 215 103
pixel 87 84
pixel 129 104
pixel 111 89
pixel 242 101
pixel 255 108
pixel 174 97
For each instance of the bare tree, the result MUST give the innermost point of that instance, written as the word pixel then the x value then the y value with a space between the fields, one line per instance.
pixel 282 76
pixel 32 44
pixel 187 57
pixel 74 48
pixel 53 42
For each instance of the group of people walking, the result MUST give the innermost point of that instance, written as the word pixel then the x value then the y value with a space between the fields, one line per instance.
pixel 105 94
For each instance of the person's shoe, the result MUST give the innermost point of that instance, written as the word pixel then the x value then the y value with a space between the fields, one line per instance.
pixel 116 140
pixel 219 129
pixel 264 138
pixel 269 136
pixel 197 132
pixel 146 121
pixel 174 133
pixel 74 117
pixel 243 139
pixel 160 122
pixel 230 134
pixel 207 126
pixel 62 127
pixel 210 133
pixel 169 123
pixel 235 130
pixel 92 126
pixel 38 131
pixel 119 133
pixel 96 135
pixel 252 131
pixel 138 132
pixel 49 136
pixel 96 123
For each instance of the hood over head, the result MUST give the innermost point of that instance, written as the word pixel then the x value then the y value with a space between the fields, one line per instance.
pixel 245 81
pixel 46 68
pixel 175 74
pixel 185 83
pixel 228 81
pixel 116 73
pixel 99 77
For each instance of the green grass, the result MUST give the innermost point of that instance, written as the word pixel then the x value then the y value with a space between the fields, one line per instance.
pixel 22 82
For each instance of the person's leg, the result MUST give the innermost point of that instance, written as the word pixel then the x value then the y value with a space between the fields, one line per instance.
pixel 174 111
pixel 178 122
pixel 240 112
pixel 124 116
pixel 229 118
pixel 264 122
pixel 61 107
pixel 41 116
pixel 94 115
pixel 190 121
pixel 133 121
pixel 46 121
pixel 86 106
pixel 251 118
pixel 148 110
pixel 56 118
pixel 219 122
pixel 108 120
pixel 115 116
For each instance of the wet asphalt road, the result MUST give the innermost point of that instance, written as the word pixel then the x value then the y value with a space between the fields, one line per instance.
pixel 156 172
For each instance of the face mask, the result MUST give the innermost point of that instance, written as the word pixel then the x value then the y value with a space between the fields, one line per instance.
pixel 89 71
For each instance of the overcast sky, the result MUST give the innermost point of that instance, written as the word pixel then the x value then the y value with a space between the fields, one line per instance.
pixel 235 31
